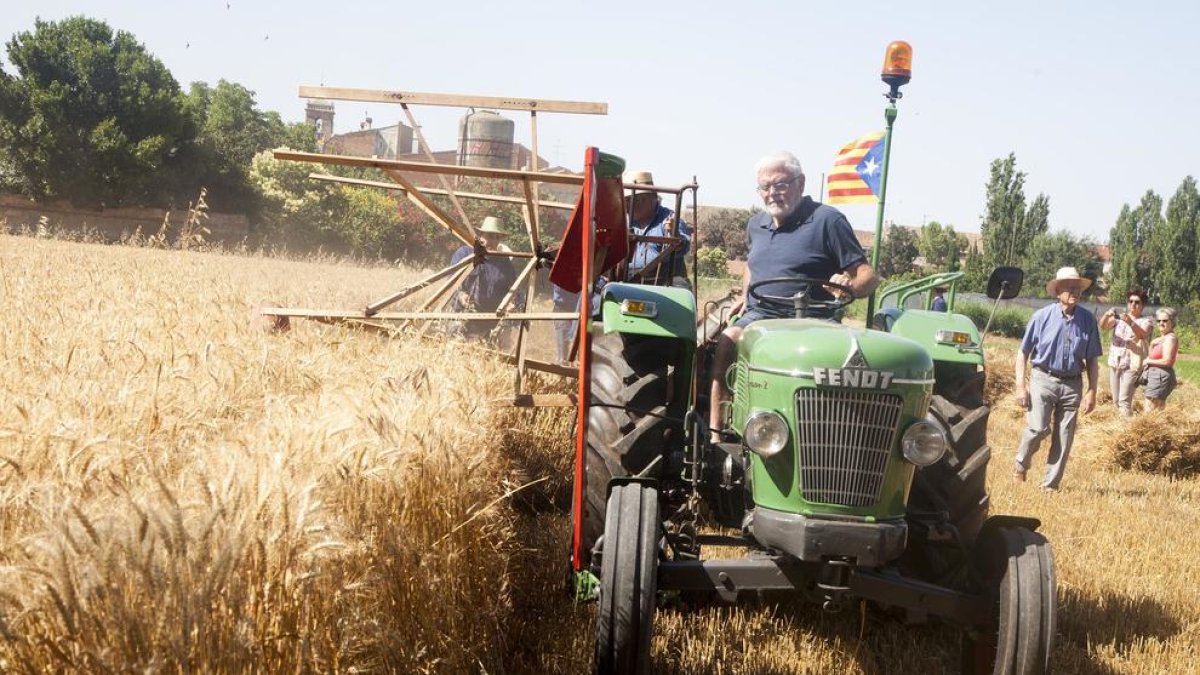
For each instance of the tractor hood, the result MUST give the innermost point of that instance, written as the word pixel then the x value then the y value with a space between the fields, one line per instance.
pixel 822 350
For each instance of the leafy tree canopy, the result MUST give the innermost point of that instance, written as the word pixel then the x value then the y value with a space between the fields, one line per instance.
pixel 231 131
pixel 1008 226
pixel 898 252
pixel 1130 243
pixel 726 229
pixel 941 247
pixel 89 115
pixel 1174 245
pixel 1048 252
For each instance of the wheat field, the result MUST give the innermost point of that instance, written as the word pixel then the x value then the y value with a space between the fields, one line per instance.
pixel 183 492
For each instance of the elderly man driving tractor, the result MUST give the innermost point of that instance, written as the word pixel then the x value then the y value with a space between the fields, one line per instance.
pixel 793 236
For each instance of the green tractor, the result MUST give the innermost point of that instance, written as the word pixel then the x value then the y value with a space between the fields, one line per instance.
pixel 853 469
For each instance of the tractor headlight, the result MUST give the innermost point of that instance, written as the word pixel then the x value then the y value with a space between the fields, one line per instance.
pixel 766 433
pixel 923 443
pixel 953 337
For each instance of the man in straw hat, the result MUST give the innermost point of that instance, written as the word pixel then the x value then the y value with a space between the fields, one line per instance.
pixel 649 218
pixel 485 286
pixel 1062 341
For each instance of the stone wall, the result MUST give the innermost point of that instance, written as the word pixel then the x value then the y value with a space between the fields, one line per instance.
pixel 112 224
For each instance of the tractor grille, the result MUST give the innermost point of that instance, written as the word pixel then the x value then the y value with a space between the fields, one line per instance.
pixel 844 438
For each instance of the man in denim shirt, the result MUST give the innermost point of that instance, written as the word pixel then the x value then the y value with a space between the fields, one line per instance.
pixel 1062 341
pixel 649 218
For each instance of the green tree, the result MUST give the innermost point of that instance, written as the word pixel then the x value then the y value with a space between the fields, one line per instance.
pixel 975 270
pixel 1130 243
pixel 712 262
pixel 941 247
pixel 1176 280
pixel 1048 252
pixel 1008 226
pixel 898 252
pixel 90 115
pixel 231 131
pixel 725 228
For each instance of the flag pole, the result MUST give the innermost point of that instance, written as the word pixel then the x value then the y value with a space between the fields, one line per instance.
pixel 889 114
pixel 897 71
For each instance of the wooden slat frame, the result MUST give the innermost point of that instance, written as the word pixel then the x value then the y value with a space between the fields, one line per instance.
pixel 434 191
pixel 454 100
pixel 423 147
pixel 426 204
pixel 341 314
pixel 424 167
pixel 374 307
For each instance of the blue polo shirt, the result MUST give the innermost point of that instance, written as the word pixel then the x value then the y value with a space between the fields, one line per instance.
pixel 1061 344
pixel 816 241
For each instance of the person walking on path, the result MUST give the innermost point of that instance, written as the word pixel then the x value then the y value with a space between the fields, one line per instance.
pixel 1131 332
pixel 1160 366
pixel 1062 341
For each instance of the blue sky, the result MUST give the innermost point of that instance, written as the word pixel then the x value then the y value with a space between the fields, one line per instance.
pixel 1098 104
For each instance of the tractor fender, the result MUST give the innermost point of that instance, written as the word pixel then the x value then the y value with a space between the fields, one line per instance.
pixel 922 326
pixel 658 311
pixel 994 522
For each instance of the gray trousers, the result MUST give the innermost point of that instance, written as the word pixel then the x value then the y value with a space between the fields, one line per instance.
pixel 1123 382
pixel 1053 404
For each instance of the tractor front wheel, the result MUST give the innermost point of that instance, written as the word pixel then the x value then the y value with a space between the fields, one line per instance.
pixel 628 580
pixel 1019 570
pixel 636 416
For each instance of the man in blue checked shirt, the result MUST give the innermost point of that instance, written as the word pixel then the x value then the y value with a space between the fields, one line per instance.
pixel 1062 341
pixel 650 262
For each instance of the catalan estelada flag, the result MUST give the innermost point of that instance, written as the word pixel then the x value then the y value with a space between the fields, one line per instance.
pixel 856 171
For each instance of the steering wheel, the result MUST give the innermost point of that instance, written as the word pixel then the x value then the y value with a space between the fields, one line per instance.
pixel 802 300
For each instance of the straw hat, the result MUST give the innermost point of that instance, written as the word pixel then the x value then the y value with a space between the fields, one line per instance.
pixel 637 178
pixel 491 224
pixel 1066 274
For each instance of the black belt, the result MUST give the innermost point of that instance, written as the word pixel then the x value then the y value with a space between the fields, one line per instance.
pixel 1058 375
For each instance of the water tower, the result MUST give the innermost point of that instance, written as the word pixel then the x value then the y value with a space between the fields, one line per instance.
pixel 485 139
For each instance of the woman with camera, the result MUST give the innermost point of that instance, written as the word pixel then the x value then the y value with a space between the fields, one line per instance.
pixel 1131 331
pixel 1159 373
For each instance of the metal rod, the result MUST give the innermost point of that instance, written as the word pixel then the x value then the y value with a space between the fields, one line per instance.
pixel 585 355
pixel 889 114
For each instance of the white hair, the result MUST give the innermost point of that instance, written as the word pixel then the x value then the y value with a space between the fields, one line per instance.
pixel 786 160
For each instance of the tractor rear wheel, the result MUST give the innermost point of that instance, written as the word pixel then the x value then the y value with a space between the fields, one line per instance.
pixel 1019 571
pixel 638 401
pixel 957 484
pixel 628 580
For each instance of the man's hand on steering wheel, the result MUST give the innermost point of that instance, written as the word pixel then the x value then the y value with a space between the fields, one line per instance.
pixel 841 283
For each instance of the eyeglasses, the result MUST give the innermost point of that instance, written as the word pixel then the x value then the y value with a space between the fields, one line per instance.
pixel 780 186
pixel 1163 321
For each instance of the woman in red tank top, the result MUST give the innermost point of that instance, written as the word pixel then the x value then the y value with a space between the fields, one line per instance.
pixel 1159 374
